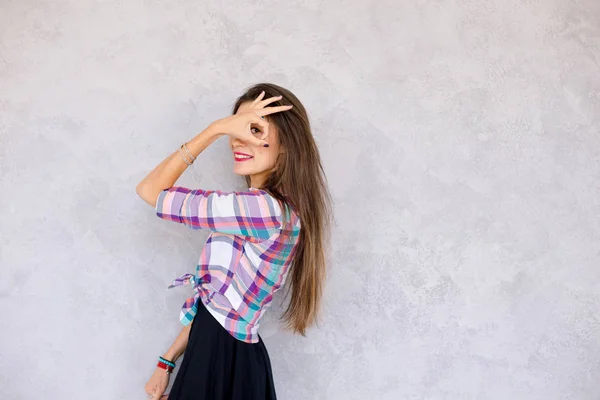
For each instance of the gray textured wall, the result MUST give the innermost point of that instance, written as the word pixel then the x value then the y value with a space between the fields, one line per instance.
pixel 462 144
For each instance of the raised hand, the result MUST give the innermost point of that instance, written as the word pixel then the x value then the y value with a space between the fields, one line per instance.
pixel 241 125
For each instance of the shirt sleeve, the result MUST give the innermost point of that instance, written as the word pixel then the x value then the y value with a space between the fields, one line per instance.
pixel 246 213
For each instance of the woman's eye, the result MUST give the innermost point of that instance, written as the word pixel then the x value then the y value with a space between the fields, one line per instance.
pixel 254 130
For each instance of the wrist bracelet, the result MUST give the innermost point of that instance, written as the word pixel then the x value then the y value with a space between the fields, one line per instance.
pixel 184 145
pixel 182 154
pixel 165 364
pixel 168 362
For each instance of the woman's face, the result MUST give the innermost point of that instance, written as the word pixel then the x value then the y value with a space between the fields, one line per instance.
pixel 261 160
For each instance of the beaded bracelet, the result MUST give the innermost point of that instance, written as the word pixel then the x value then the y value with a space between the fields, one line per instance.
pixel 168 362
pixel 165 364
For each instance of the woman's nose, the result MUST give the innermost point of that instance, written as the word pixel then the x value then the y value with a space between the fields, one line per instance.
pixel 237 142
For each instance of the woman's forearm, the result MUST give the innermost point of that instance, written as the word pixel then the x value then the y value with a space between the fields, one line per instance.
pixel 179 345
pixel 162 177
pixel 170 169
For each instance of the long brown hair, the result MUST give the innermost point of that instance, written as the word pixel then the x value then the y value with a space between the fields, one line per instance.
pixel 298 180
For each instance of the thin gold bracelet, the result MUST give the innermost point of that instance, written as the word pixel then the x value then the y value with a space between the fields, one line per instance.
pixel 184 145
pixel 182 154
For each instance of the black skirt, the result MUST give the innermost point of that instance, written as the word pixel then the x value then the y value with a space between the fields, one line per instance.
pixel 217 366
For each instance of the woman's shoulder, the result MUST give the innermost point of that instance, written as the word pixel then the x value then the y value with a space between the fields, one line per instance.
pixel 288 212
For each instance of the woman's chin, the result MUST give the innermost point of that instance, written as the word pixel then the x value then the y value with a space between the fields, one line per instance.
pixel 241 171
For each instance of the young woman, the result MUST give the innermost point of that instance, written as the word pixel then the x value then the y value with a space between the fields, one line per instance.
pixel 278 227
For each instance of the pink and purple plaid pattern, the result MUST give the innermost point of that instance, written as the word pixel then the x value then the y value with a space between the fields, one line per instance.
pixel 245 259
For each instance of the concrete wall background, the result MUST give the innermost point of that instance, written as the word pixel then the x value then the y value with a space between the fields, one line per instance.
pixel 462 144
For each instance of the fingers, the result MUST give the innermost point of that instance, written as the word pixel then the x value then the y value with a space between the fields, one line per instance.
pixel 271 110
pixel 150 390
pixel 157 396
pixel 260 96
pixel 258 119
pixel 267 101
pixel 154 389
pixel 264 125
pixel 153 394
pixel 260 105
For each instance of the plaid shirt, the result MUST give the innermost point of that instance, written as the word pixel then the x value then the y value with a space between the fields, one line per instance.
pixel 245 258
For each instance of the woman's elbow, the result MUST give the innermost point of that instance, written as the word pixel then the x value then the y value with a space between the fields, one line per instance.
pixel 140 190
pixel 147 194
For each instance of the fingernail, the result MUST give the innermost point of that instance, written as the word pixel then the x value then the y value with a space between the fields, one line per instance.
pixel 266 145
